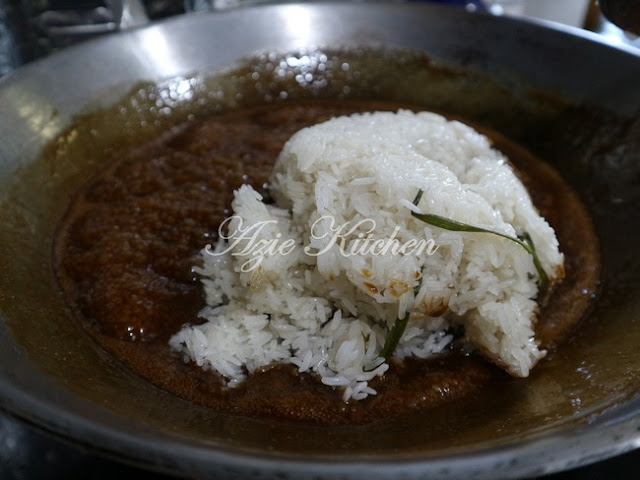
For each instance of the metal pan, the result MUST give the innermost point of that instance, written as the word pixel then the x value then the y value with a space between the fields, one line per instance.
pixel 560 92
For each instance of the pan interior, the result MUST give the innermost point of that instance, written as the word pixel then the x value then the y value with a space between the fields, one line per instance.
pixel 595 150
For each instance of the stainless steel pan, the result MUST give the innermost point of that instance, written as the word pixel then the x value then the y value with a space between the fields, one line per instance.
pixel 560 92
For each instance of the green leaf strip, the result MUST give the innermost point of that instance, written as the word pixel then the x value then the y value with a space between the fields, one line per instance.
pixel 399 326
pixel 454 226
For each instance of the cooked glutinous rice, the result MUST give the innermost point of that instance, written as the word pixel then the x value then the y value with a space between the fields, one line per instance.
pixel 325 304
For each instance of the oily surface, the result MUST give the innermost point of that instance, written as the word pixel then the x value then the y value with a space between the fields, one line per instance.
pixel 126 246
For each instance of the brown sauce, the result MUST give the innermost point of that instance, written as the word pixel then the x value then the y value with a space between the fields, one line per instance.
pixel 126 246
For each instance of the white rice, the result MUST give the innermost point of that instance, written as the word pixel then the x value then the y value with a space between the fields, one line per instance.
pixel 330 313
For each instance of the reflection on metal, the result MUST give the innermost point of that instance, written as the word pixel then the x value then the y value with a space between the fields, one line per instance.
pixel 36 122
pixel 154 47
pixel 298 22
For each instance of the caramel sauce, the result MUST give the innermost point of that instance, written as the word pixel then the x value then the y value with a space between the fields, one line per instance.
pixel 124 252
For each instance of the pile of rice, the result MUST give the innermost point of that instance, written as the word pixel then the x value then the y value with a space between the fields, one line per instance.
pixel 326 310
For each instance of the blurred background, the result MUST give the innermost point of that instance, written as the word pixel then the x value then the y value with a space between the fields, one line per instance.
pixel 30 29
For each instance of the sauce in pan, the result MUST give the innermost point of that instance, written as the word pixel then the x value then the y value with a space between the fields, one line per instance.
pixel 125 249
